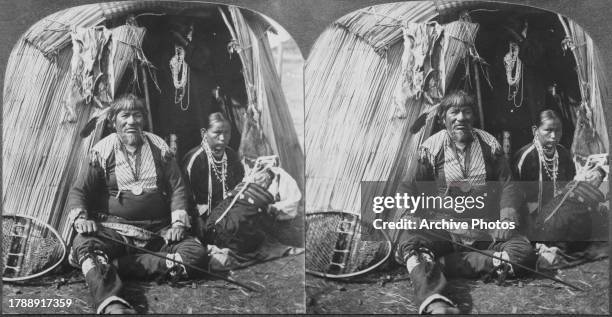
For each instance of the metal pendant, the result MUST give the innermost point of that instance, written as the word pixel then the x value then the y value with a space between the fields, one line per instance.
pixel 137 190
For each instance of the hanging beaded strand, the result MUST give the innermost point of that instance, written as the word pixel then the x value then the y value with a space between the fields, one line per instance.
pixel 514 75
pixel 219 167
pixel 551 165
pixel 180 74
pixel 514 72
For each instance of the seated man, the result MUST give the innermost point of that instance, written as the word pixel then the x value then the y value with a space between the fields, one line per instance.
pixel 131 191
pixel 460 161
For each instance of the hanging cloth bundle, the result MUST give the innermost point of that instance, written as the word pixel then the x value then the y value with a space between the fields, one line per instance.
pixel 586 139
pixel 419 39
pixel 87 47
pixel 456 42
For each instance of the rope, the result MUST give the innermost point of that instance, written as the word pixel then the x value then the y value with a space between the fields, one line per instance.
pixel 58 22
pixel 153 14
pixel 56 30
pixel 468 44
pixel 367 11
pixel 483 10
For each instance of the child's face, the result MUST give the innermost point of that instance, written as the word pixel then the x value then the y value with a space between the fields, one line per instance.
pixel 594 177
pixel 262 178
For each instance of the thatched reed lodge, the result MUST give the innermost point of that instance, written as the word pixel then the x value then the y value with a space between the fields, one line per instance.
pixel 68 66
pixel 373 72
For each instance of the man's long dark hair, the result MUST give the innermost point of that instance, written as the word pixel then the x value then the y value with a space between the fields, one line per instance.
pixel 456 98
pixel 127 102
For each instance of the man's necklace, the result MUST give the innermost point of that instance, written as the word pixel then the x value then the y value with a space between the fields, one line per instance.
pixel 137 186
pixel 464 159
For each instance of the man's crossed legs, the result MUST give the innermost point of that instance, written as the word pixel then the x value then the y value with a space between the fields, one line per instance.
pixel 430 259
pixel 103 262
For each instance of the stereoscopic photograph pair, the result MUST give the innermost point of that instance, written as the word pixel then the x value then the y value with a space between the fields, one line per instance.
pixel 239 157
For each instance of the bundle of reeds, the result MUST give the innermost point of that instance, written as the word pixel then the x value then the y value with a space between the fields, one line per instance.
pixel 457 41
pixel 126 45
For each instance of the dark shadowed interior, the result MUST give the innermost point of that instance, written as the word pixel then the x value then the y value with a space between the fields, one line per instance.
pixel 545 65
pixel 215 81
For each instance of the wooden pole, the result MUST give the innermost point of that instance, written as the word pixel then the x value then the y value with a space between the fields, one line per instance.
pixel 279 62
pixel 478 93
pixel 145 83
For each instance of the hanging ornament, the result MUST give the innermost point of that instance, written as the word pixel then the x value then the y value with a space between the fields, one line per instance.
pixel 232 47
pixel 218 167
pixel 180 76
pixel 180 73
pixel 549 164
pixel 514 75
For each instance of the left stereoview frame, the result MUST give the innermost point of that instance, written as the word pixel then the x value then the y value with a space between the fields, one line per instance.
pixel 186 115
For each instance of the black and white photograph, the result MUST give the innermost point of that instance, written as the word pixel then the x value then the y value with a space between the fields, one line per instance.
pixel 153 162
pixel 498 103
pixel 397 157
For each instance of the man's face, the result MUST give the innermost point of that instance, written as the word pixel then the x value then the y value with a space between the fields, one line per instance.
pixel 129 125
pixel 458 122
pixel 549 134
pixel 218 137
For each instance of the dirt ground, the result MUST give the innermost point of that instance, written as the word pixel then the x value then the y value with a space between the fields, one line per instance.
pixel 281 285
pixel 391 293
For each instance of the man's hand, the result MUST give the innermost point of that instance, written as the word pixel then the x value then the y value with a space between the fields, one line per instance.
pixel 176 233
pixel 85 226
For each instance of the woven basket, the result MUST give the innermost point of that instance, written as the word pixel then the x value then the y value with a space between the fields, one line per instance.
pixel 337 248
